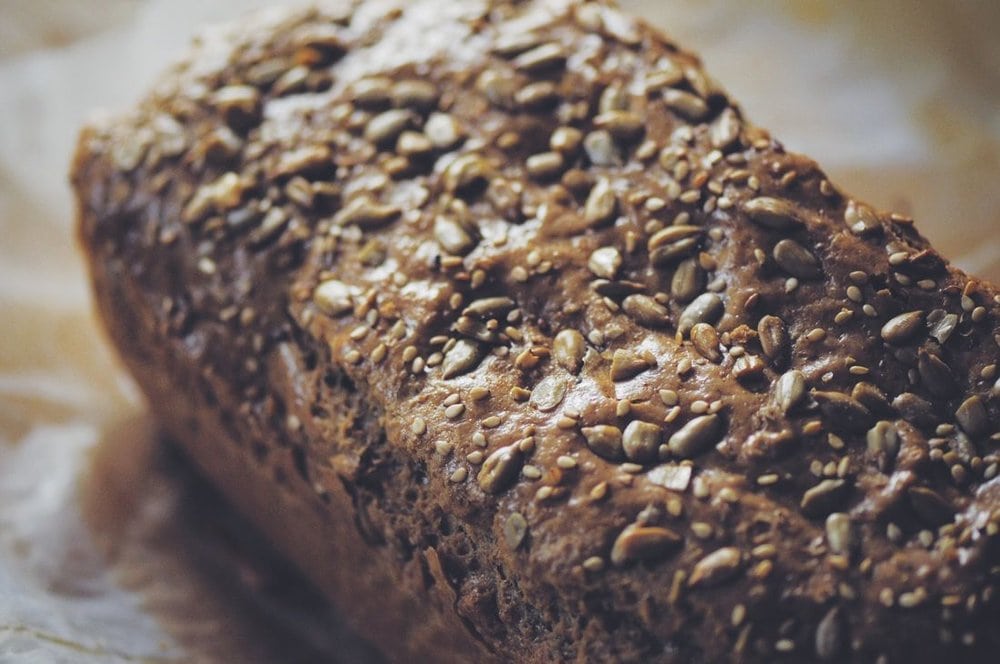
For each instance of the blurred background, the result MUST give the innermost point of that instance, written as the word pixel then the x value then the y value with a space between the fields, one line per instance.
pixel 103 553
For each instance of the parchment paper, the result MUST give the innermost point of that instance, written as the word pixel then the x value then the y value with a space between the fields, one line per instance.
pixel 111 551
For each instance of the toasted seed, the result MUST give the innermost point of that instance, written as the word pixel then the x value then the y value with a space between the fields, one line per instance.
pixel 442 130
pixel 414 93
pixel 240 104
pixel 366 213
pixel 685 104
pixel 463 357
pixel 536 96
pixel 932 509
pixel 830 636
pixel 604 440
pixel 548 393
pixel 883 438
pixel 840 533
pixel 627 364
pixel 672 234
pixel 514 43
pixel 545 165
pixel 935 374
pixel 568 349
pixel 644 543
pixel 796 260
pixel 903 327
pixel 773 213
pixel 604 262
pixel 843 412
pixel 646 311
pixel 500 469
pixel 717 567
pixel 940 325
pixel 601 204
pixel 915 409
pixel 696 436
pixel 748 368
pixel 489 307
pixel 333 297
pixel 566 140
pixel 871 398
pixel 861 218
pixel 641 440
pixel 600 148
pixel 541 57
pixel 453 236
pixel 972 417
pixel 371 92
pixel 706 341
pixel 515 528
pixel 673 476
pixel 824 497
pixel 789 390
pixel 623 125
pixel 476 329
pixel 670 253
pixel 773 338
pixel 688 280
pixel 706 308
pixel 387 126
pixel 726 129
pixel 464 172
pixel 413 144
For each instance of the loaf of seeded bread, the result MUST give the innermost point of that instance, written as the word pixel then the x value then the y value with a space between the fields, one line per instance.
pixel 503 323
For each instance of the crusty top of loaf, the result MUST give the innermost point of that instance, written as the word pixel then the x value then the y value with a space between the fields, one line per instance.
pixel 678 371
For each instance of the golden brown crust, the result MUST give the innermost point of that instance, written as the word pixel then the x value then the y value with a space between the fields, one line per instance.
pixel 583 354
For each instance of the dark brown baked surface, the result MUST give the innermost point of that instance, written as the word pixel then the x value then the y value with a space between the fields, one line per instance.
pixel 506 326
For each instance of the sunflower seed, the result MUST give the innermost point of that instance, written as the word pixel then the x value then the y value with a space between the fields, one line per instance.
pixel 541 57
pixel 548 393
pixel 668 75
pixel 641 440
pixel 366 213
pixel 843 412
pixel 568 349
pixel 716 568
pixel 476 329
pixel 824 497
pixel 545 165
pixel 901 328
pixel 871 398
pixel 442 130
pixel 839 533
pixel 566 140
pixel 604 262
pixel 726 129
pixel 706 341
pixel 789 390
pixel 796 260
pixel 935 374
pixel 500 469
pixel 514 43
pixel 333 297
pixel 452 236
pixel 465 172
pixel 673 243
pixel 413 144
pixel 685 104
pixel 688 280
pixel 371 92
pixel 830 636
pixel 941 325
pixel 644 543
pixel 489 307
pixel 773 213
pixel 773 338
pixel 601 204
pixel 535 96
pixel 620 288
pixel 613 98
pixel 915 409
pixel 604 440
pixel 414 93
pixel 239 104
pixel 972 417
pixel 515 528
pixel 623 125
pixel 861 218
pixel 706 308
pixel 600 148
pixel 883 438
pixel 463 357
pixel 930 506
pixel 387 126
pixel 696 436
pixel 646 311
pixel 626 364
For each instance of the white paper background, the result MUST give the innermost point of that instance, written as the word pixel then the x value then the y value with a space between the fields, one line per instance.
pixel 897 99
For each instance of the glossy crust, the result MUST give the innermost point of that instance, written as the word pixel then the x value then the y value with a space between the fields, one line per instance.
pixel 505 325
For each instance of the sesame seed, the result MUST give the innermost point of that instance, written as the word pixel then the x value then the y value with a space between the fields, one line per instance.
pixel 459 475
pixel 566 462
pixel 454 411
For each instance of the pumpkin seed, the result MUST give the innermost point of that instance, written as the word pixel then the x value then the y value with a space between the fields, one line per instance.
pixel 604 440
pixel 773 213
pixel 716 568
pixel 706 308
pixel 646 311
pixel 641 440
pixel 696 436
pixel 796 260
pixel 500 469
pixel 638 542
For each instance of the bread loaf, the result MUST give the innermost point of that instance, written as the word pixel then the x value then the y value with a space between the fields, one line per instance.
pixel 504 324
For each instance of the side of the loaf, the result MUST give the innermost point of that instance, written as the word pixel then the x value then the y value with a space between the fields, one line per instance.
pixel 501 320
